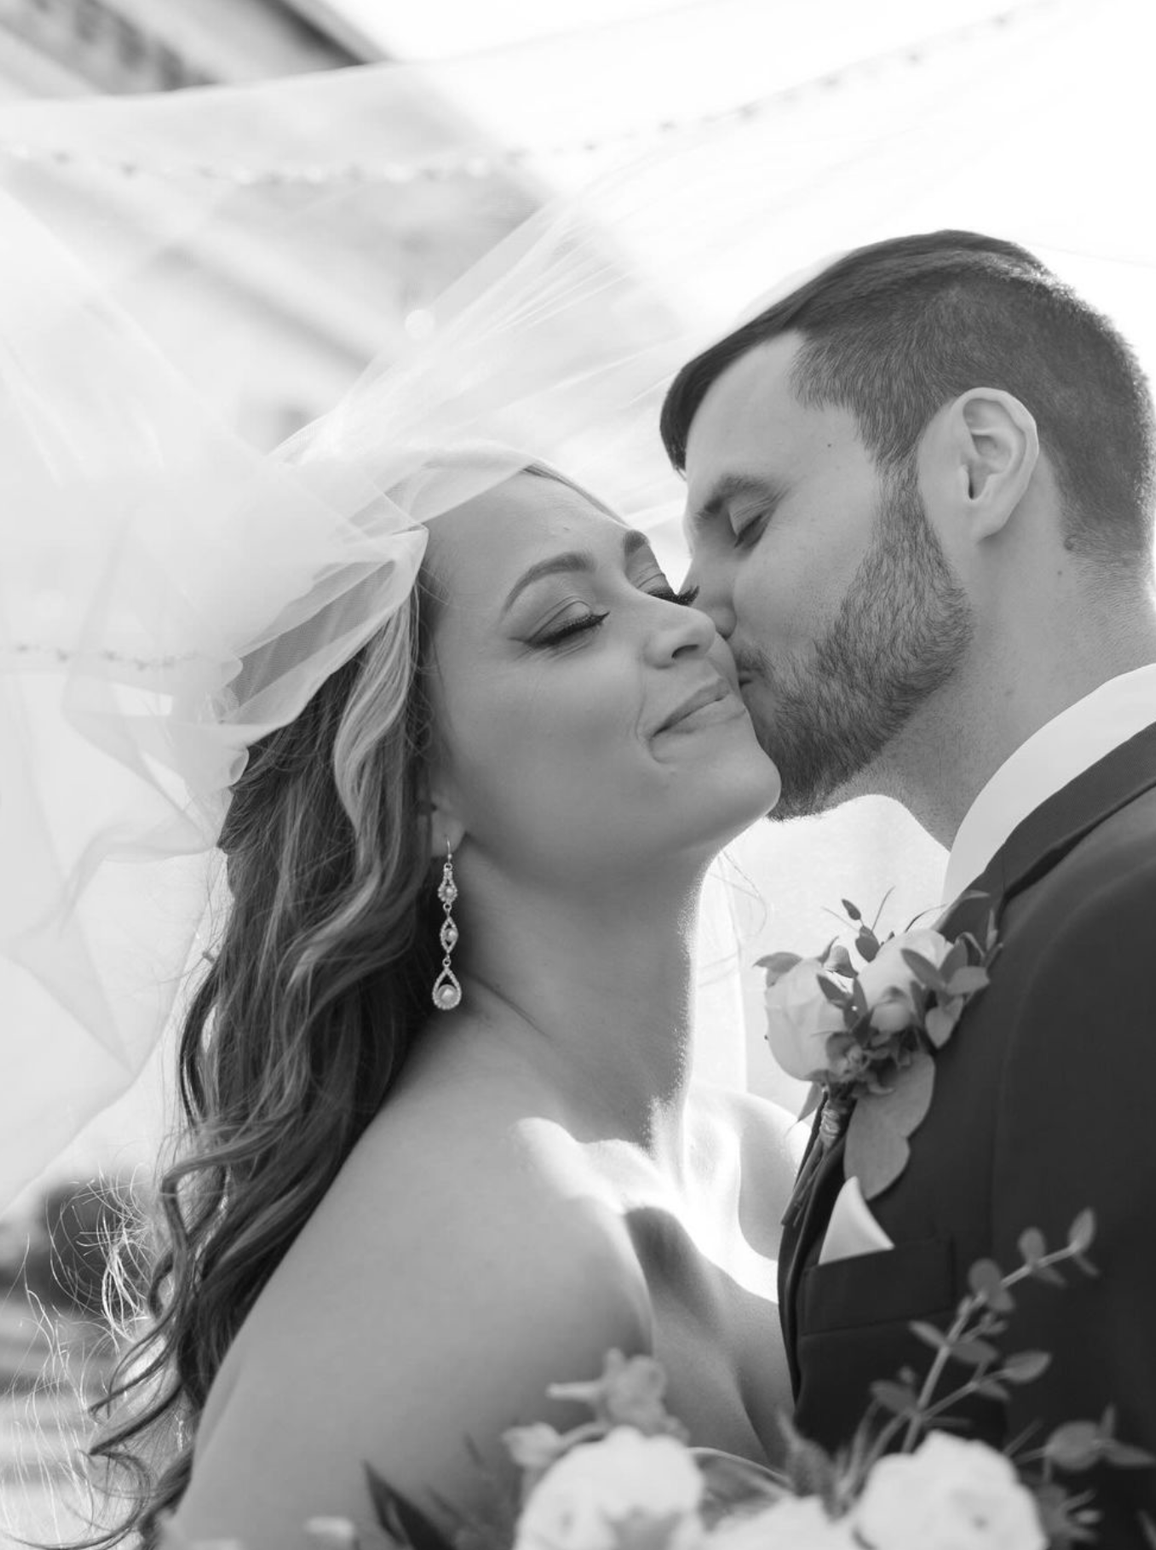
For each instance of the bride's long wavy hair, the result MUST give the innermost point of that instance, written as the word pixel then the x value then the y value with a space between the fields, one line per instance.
pixel 291 1043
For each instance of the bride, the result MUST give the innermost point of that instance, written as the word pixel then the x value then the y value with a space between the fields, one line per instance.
pixel 402 1212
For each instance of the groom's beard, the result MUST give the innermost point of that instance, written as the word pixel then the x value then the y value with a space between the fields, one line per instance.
pixel 901 630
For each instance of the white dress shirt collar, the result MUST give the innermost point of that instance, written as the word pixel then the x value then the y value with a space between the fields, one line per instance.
pixel 1051 758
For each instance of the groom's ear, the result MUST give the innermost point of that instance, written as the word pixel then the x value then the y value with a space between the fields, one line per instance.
pixel 983 453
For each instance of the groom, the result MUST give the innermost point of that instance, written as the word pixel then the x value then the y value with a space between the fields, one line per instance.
pixel 921 498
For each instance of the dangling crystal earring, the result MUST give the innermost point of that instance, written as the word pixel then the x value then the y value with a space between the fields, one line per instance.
pixel 447 993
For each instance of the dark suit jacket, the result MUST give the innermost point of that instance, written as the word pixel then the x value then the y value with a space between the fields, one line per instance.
pixel 1044 1104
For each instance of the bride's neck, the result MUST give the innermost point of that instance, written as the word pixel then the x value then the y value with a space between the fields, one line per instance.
pixel 595 988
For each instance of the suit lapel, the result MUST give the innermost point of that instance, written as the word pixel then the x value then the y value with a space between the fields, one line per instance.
pixel 1056 827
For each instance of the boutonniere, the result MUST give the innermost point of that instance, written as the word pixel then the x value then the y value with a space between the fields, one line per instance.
pixel 865 1036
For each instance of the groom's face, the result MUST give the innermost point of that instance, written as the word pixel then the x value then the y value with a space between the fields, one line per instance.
pixel 822 574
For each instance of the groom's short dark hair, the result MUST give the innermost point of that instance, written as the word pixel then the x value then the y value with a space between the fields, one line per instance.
pixel 894 331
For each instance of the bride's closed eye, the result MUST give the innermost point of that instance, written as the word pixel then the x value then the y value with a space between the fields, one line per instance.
pixel 583 623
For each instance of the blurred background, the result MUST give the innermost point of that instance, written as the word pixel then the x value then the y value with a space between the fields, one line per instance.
pixel 1024 118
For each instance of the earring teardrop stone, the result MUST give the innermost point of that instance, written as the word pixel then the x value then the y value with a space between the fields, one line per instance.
pixel 447 993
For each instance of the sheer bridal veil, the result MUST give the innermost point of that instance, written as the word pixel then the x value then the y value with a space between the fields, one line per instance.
pixel 233 322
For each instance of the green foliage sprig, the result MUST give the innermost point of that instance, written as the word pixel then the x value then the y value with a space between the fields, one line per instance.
pixel 912 1407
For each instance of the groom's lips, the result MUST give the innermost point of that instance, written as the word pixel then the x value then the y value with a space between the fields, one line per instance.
pixel 718 689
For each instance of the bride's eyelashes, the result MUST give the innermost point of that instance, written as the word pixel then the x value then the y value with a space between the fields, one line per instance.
pixel 591 621
pixel 571 628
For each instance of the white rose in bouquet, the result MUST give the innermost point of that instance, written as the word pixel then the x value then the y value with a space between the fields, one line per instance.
pixel 949 1494
pixel 889 984
pixel 795 1523
pixel 624 1492
pixel 800 1020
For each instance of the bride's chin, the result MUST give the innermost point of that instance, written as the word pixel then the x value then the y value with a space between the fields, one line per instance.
pixel 750 780
pixel 741 794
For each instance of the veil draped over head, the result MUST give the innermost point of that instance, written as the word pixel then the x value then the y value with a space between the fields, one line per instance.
pixel 236 322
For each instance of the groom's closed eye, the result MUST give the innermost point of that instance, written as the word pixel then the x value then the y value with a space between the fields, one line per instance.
pixel 744 502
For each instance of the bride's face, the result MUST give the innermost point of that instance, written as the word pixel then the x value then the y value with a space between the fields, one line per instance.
pixel 586 719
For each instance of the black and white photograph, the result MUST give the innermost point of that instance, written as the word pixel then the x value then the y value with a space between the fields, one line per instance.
pixel 577 775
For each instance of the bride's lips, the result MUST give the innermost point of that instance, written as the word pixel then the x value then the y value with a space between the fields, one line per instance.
pixel 699 708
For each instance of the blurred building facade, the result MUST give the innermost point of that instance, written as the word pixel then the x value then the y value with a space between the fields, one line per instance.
pixel 270 329
pixel 64 48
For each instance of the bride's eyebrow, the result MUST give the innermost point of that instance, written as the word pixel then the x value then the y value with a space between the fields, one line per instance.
pixel 572 560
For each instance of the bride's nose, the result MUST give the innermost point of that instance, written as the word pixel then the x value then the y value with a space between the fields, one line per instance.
pixel 681 631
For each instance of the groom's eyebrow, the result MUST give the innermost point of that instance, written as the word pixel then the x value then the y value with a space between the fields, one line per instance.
pixel 572 560
pixel 729 489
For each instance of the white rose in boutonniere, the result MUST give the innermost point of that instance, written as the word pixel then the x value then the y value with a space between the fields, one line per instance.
pixel 866 1036
pixel 891 987
pixel 800 1019
pixel 948 1495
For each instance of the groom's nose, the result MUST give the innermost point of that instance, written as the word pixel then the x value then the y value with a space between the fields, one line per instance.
pixel 714 596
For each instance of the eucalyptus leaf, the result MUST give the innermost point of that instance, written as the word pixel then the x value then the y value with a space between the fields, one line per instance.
pixel 876 1151
pixel 833 992
pixel 1032 1245
pixel 930 1335
pixel 867 944
pixel 974 1353
pixel 986 1280
pixel 991 1388
pixel 956 959
pixel 1025 1366
pixel 924 970
pixel 1082 1232
pixel 1124 1456
pixel 895 1398
pixel 967 981
pixel 906 1105
pixel 940 1022
pixel 777 965
pixel 1076 1445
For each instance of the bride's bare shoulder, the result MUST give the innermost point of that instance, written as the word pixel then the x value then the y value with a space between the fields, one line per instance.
pixel 461 1263
pixel 466 1209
